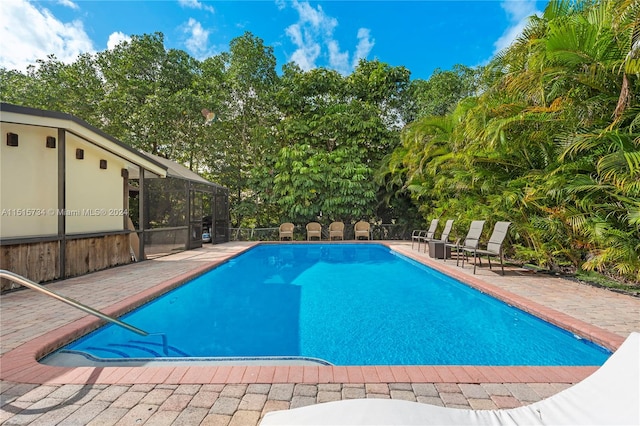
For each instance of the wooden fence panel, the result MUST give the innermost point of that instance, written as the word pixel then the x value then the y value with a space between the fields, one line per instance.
pixel 36 261
pixel 40 262
pixel 93 254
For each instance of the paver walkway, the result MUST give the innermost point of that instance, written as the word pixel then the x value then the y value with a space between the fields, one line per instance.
pixel 26 315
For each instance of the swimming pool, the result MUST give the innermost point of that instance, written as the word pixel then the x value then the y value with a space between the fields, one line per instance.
pixel 346 304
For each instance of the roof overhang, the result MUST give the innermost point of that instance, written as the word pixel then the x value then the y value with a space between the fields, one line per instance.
pixel 179 171
pixel 35 117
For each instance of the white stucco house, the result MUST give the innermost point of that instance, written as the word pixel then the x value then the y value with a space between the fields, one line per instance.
pixel 65 191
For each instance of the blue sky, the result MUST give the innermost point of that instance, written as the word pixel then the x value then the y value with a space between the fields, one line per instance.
pixel 421 35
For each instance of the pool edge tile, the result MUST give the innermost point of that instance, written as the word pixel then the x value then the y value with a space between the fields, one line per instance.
pixel 355 374
pixel 415 373
pixel 176 375
pixel 20 365
pixel 236 373
pixel 295 374
pixel 340 374
pixel 281 374
pixel 250 374
pixel 325 374
pixel 400 374
pixel 384 373
pixel 266 374
pixel 370 374
pixel 310 374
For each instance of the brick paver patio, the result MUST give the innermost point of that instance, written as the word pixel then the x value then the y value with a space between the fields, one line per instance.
pixel 165 395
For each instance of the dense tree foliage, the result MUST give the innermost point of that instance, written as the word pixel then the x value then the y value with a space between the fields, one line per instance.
pixel 545 136
pixel 333 135
pixel 551 143
pixel 441 93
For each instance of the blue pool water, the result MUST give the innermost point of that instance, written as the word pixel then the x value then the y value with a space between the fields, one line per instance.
pixel 348 304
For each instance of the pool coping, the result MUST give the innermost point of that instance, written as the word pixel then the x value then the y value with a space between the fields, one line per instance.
pixel 20 364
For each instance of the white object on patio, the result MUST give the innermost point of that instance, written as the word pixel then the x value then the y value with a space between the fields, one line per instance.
pixel 610 396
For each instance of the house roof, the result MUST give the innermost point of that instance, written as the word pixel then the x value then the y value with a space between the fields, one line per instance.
pixel 17 114
pixel 179 171
pixel 160 166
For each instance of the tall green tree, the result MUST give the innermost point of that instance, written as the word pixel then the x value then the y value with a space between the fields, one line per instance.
pixel 74 88
pixel 244 142
pixel 148 101
pixel 334 134
pixel 440 94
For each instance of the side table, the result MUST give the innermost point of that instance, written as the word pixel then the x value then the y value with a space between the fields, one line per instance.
pixel 438 250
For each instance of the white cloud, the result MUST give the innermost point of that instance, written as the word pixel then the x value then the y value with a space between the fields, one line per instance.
pixel 22 44
pixel 313 36
pixel 308 50
pixel 198 39
pixel 69 4
pixel 338 60
pixel 117 38
pixel 518 12
pixel 316 18
pixel 195 4
pixel 365 44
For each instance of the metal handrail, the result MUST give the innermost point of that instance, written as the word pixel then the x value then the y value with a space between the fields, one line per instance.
pixel 30 284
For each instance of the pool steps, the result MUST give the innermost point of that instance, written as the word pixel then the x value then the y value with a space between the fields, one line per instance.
pixel 138 354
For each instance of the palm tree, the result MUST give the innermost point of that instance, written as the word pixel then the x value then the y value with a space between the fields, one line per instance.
pixel 552 145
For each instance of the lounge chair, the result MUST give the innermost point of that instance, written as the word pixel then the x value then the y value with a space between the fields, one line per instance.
pixel 336 229
pixel 417 235
pixel 286 231
pixel 494 246
pixel 314 229
pixel 425 236
pixel 440 248
pixel 444 237
pixel 431 232
pixel 471 241
pixel 362 229
pixel 610 396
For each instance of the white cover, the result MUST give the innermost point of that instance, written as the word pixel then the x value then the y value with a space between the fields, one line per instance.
pixel 610 396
